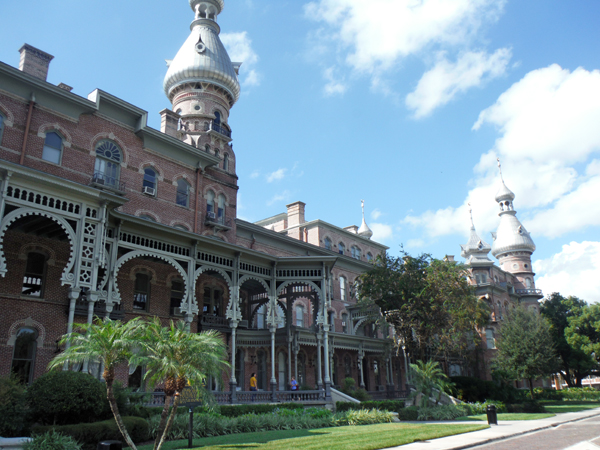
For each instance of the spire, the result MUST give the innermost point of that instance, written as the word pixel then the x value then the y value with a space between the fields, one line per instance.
pixel 476 250
pixel 504 194
pixel 364 230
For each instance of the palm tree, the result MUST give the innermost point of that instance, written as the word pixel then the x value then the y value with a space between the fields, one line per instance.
pixel 108 342
pixel 177 359
pixel 427 378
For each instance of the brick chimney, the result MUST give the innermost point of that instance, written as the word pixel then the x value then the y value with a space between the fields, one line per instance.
pixel 34 61
pixel 168 122
pixel 295 212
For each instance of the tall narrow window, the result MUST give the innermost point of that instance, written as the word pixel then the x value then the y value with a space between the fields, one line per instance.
pixel 141 293
pixel 176 295
pixel 343 286
pixel 212 302
pixel 226 162
pixel 489 338
pixel 260 317
pixel 355 252
pixel 108 163
pixel 217 153
pixel 149 184
pixel 210 205
pixel 328 243
pixel 300 316
pixel 331 321
pixel 345 323
pixel 217 118
pixel 221 209
pixel 341 248
pixel 23 361
pixel 35 271
pixel 53 146
pixel 183 193
pixel 528 283
pixel 369 257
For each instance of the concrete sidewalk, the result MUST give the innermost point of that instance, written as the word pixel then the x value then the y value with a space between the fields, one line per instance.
pixel 504 430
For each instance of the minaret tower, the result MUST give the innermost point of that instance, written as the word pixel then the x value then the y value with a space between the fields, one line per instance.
pixel 364 229
pixel 476 250
pixel 202 85
pixel 513 245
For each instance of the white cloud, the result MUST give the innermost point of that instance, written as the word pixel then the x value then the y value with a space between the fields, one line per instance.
pixel 446 79
pixel 282 196
pixel 333 86
pixel 573 271
pixel 239 48
pixel 381 232
pixel 373 37
pixel 548 125
pixel 255 174
pixel 376 214
pixel 276 176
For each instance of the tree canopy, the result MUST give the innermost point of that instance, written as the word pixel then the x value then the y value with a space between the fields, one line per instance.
pixel 525 346
pixel 567 317
pixel 429 302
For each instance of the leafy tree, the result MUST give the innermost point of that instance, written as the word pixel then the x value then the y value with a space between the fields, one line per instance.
pixel 430 381
pixel 575 362
pixel 583 333
pixel 525 346
pixel 429 303
pixel 108 342
pixel 177 359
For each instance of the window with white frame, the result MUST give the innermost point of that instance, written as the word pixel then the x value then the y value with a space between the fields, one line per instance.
pixel 490 339
pixel 261 315
pixel 182 197
pixel 210 205
pixel 328 243
pixel 343 288
pixel 221 208
pixel 108 164
pixel 141 292
pixel 355 252
pixel 345 323
pixel 53 147
pixel 341 248
pixel 369 257
pixel 149 183
pixel 35 275
pixel 23 360
pixel 300 316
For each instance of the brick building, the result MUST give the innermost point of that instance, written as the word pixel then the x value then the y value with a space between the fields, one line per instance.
pixel 105 216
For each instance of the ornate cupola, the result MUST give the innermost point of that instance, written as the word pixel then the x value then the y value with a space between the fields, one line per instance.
pixel 512 244
pixel 364 230
pixel 476 250
pixel 202 82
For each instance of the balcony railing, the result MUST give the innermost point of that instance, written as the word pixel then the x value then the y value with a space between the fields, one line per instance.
pixel 214 321
pixel 100 179
pixel 214 219
pixel 217 128
pixel 528 291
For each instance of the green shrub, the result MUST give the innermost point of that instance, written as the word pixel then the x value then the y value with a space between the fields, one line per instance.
pixel 481 407
pixel 382 405
pixel 240 410
pixel 52 440
pixel 443 412
pixel 525 407
pixel 547 394
pixel 410 413
pixel 580 394
pixel 62 398
pixel 471 389
pixel 13 407
pixel 362 417
pixel 89 434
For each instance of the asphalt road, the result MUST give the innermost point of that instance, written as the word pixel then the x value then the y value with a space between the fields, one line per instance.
pixel 580 435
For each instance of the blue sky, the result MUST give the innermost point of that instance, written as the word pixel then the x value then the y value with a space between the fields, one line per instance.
pixel 403 103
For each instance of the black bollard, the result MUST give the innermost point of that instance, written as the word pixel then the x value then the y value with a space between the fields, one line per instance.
pixel 191 429
pixel 492 416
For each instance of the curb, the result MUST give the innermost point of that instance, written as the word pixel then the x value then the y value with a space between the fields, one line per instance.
pixel 522 433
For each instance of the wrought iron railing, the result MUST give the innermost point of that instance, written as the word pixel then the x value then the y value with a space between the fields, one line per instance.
pixel 101 179
pixel 388 395
pixel 218 128
pixel 214 219
pixel 528 291
pixel 210 320
pixel 225 397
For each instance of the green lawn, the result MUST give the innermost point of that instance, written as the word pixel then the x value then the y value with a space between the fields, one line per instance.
pixel 509 416
pixel 366 437
pixel 565 407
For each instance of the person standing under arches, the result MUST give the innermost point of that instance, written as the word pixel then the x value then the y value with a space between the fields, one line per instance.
pixel 253 385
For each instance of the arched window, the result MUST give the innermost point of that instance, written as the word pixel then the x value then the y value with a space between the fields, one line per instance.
pixel 141 292
pixel 176 295
pixel 300 316
pixel 345 323
pixel 35 274
pixel 528 283
pixel 1 127
pixel 490 339
pixel 183 193
pixel 181 227
pixel 341 248
pixel 217 153
pixel 217 118
pixel 108 164
pixel 210 205
pixel 149 184
pixel 369 257
pixel 53 146
pixel 355 252
pixel 23 361
pixel 261 314
pixel 226 162
pixel 147 217
pixel 343 288
pixel 207 148
pixel 328 243
pixel 221 209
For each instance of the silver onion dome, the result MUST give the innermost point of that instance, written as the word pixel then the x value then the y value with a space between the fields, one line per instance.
pixel 364 230
pixel 511 236
pixel 202 58
pixel 504 194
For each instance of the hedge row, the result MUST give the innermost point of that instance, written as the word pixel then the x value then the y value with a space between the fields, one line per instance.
pixel 382 405
pixel 89 434
pixel 240 410
pixel 569 394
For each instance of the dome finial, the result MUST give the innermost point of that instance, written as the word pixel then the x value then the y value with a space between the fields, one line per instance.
pixel 364 229
pixel 500 169
pixel 471 214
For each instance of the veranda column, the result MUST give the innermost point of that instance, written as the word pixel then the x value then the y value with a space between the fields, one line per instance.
pixel 92 298
pixel 325 302
pixel 361 357
pixel 234 315
pixel 319 372
pixel 73 296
